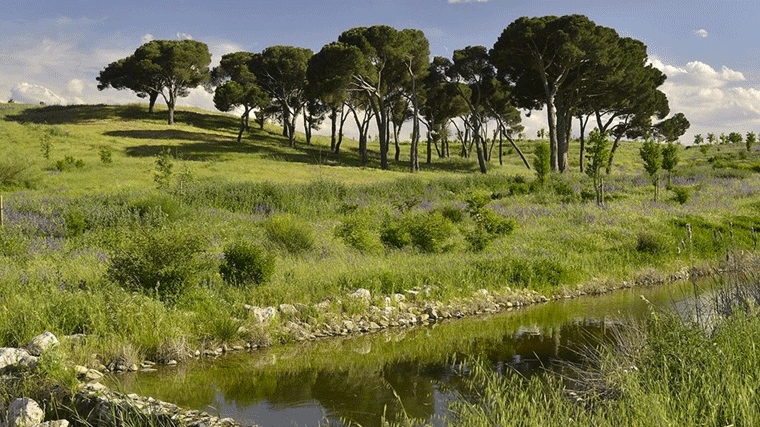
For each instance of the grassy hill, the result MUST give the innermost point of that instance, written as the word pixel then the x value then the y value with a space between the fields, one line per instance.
pixel 91 245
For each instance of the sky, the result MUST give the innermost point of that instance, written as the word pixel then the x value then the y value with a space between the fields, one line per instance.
pixel 52 51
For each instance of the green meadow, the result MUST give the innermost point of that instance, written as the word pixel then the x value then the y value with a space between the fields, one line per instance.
pixel 151 239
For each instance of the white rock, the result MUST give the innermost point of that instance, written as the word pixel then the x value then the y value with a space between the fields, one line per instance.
pixel 263 315
pixel 41 344
pixel 361 294
pixel 16 357
pixel 56 423
pixel 24 412
pixel 288 309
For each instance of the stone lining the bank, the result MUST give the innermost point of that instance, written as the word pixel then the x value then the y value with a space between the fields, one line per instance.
pixel 293 322
pixel 94 403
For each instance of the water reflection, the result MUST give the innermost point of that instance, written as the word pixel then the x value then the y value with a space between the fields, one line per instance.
pixel 416 371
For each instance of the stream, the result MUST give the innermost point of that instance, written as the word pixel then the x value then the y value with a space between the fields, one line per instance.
pixel 416 370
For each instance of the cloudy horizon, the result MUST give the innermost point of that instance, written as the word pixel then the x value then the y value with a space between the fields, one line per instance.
pixel 53 55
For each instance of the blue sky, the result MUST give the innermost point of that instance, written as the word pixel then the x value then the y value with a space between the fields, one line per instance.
pixel 52 50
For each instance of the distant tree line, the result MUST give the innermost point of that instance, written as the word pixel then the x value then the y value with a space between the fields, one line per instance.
pixel 567 65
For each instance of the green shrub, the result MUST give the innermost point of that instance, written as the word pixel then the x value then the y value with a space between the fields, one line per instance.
pixel 452 213
pixel 681 194
pixel 16 171
pixel 289 233
pixel 164 163
pixel 162 263
pixel 75 222
pixel 395 233
pixel 68 162
pixel 245 263
pixel 105 154
pixel 158 207
pixel 430 232
pixel 650 243
pixel 357 231
pixel 526 273
pixel 493 223
pixel 478 239
pixel 476 200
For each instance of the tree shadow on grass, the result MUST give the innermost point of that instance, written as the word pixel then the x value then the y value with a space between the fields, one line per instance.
pixel 199 146
pixel 76 114
pixel 205 144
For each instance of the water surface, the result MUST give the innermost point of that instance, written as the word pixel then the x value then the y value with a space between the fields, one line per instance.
pixel 413 370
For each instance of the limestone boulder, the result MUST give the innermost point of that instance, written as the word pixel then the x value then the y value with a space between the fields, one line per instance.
pixel 16 358
pixel 42 343
pixel 24 412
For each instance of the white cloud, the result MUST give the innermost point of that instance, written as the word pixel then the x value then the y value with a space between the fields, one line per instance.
pixel 221 48
pixel 184 36
pixel 146 38
pixel 713 100
pixel 75 86
pixel 701 33
pixel 34 94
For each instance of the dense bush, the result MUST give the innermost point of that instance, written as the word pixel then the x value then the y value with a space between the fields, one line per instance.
pixel 430 232
pixel 17 172
pixel 681 194
pixel 358 232
pixel 68 162
pixel 163 263
pixel 289 233
pixel 493 223
pixel 245 263
pixel 156 208
pixel 395 233
pixel 650 243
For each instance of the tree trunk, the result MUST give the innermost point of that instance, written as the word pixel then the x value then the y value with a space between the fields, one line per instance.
pixel 243 124
pixel 152 97
pixel 333 126
pixel 396 130
pixel 285 122
pixel 477 140
pixel 343 117
pixel 582 124
pixel 519 152
pixel 307 118
pixel 563 143
pixel 170 106
pixel 614 148
pixel 501 147
pixel 292 130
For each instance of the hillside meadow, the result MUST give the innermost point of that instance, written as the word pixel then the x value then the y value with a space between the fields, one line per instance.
pixel 151 239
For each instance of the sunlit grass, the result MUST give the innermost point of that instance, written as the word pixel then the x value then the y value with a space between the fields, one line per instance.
pixel 62 228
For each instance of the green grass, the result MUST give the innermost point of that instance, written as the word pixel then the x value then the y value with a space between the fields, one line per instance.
pixel 321 216
pixel 664 371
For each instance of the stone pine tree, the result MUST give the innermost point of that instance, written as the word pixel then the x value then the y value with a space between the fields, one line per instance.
pixel 442 104
pixel 672 128
pixel 122 74
pixel 329 75
pixel 236 87
pixel 281 72
pixel 394 61
pixel 651 155
pixel 556 63
pixel 169 68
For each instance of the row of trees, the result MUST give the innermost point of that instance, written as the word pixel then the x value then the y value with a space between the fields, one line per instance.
pixel 731 138
pixel 568 66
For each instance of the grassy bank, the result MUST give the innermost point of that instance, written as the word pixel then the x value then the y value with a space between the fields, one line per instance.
pixel 665 371
pixel 124 229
